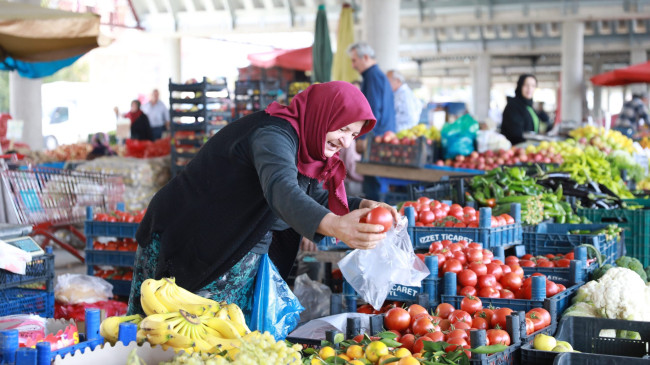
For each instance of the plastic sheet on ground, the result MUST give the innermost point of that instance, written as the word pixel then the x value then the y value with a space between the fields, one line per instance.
pixel 315 329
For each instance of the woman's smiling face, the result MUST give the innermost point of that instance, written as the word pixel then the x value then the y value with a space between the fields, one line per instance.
pixel 341 138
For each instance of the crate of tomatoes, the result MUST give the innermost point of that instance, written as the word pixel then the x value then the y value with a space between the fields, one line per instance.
pixel 114 224
pixel 431 220
pixel 562 268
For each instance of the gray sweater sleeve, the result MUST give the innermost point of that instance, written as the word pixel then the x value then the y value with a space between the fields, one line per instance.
pixel 321 195
pixel 274 156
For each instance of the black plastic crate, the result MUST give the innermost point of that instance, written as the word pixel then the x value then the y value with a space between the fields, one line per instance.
pixel 584 335
pixel 453 190
pixel 120 287
pixel 576 358
pixel 41 268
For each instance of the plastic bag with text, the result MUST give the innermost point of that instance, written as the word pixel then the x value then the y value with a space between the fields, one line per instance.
pixel 372 273
pixel 275 308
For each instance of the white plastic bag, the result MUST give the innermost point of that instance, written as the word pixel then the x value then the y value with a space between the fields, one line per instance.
pixel 372 273
pixel 13 259
pixel 78 288
pixel 314 296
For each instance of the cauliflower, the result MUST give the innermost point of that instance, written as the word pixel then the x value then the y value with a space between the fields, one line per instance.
pixel 619 294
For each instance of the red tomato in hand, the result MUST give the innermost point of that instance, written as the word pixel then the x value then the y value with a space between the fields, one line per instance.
pixel 381 216
pixel 397 319
pixel 471 304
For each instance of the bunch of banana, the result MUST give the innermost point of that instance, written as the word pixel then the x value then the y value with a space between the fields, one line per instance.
pixel 110 327
pixel 164 296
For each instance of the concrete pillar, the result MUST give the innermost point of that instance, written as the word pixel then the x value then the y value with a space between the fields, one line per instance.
pixel 598 95
pixel 25 105
pixel 381 30
pixel 572 71
pixel 174 57
pixel 638 55
pixel 481 84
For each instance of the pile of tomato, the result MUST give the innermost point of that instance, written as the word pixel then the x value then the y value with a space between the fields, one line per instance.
pixel 114 273
pixel 414 326
pixel 548 260
pixel 432 213
pixel 119 216
pixel 479 274
pixel 126 244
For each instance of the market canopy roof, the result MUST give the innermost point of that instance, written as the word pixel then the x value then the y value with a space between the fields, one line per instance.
pixel 639 73
pixel 39 41
pixel 294 59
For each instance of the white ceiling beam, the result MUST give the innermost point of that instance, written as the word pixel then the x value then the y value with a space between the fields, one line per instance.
pixel 189 6
pixel 209 6
pixel 151 6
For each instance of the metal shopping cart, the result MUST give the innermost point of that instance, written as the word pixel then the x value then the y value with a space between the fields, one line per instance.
pixel 52 199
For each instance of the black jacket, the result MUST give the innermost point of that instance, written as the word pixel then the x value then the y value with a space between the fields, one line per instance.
pixel 226 199
pixel 141 129
pixel 517 119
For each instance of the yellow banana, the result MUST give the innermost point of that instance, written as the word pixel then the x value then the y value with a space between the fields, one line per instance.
pixel 203 346
pixel 110 327
pixel 158 338
pixel 140 336
pixel 235 313
pixel 157 321
pixel 148 300
pixel 167 296
pixel 222 344
pixel 222 313
pixel 242 329
pixel 180 341
pixel 187 296
pixel 223 326
pixel 211 332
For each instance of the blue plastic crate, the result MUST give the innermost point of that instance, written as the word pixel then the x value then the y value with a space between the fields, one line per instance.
pixel 10 353
pixel 508 235
pixel 110 229
pixel 578 271
pixel 23 301
pixel 120 287
pixel 109 257
pixel 332 244
pixel 555 305
pixel 41 268
pixel 550 238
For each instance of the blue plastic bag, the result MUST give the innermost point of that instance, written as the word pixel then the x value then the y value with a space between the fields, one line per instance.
pixel 458 137
pixel 275 308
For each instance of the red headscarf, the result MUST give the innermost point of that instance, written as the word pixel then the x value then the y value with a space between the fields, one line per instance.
pixel 320 109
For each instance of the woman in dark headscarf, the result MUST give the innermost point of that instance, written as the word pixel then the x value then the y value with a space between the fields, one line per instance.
pixel 255 188
pixel 519 115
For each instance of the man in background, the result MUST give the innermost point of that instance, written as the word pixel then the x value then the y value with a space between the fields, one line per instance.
pixel 376 88
pixel 157 113
pixel 407 107
pixel 633 112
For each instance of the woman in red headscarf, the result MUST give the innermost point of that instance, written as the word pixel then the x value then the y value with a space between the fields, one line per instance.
pixel 256 187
